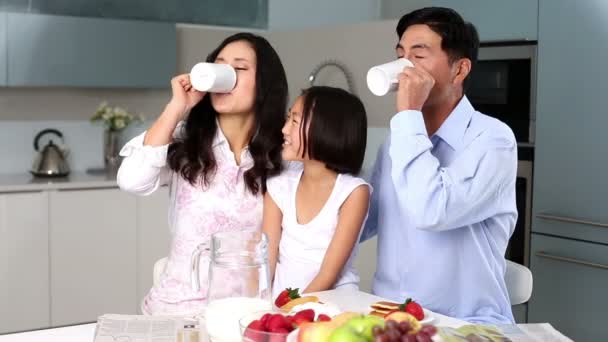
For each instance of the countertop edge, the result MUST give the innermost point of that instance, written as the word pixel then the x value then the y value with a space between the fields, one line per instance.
pixel 15 183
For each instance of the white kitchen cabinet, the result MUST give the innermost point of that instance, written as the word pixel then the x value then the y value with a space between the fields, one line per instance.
pixel 498 20
pixel 24 261
pixel 93 254
pixel 153 236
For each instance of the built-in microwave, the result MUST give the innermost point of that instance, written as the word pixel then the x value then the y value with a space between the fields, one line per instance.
pixel 503 85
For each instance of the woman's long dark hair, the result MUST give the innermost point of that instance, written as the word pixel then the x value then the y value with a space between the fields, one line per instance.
pixel 193 155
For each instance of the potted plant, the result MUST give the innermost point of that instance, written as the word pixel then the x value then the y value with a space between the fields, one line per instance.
pixel 115 120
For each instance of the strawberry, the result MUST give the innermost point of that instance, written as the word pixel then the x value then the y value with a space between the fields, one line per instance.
pixel 256 325
pixel 255 332
pixel 323 318
pixel 264 318
pixel 412 308
pixel 303 316
pixel 286 296
pixel 276 322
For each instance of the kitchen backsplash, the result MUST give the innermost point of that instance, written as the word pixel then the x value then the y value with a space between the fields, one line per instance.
pixel 84 141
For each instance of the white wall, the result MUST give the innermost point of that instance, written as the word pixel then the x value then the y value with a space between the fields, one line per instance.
pixel 358 46
pixel 297 14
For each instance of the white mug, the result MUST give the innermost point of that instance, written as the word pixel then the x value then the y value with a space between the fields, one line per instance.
pixel 213 77
pixel 382 79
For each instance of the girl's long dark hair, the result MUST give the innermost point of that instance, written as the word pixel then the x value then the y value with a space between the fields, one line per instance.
pixel 193 155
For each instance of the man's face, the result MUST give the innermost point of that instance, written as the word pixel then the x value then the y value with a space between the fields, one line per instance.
pixel 422 46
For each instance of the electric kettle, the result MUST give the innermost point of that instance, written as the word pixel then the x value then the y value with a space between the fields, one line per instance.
pixel 51 161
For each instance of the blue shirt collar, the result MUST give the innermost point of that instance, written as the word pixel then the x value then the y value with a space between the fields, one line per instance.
pixel 453 128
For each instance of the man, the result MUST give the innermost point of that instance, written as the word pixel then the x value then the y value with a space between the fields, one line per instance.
pixel 444 206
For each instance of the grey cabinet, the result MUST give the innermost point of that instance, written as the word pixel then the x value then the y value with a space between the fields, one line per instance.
pixel 3 50
pixel 239 13
pixel 48 50
pixel 494 19
pixel 24 262
pixel 571 272
pixel 572 116
pixel 570 282
pixel 93 255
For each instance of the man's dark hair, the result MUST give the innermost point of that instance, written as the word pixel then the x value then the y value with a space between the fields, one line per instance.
pixel 459 38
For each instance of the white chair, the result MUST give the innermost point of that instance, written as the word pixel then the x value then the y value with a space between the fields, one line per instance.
pixel 159 268
pixel 519 283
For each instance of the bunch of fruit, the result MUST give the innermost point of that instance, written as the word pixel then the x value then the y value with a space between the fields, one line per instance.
pixel 351 327
pixel 289 298
pixel 279 325
pixel 403 332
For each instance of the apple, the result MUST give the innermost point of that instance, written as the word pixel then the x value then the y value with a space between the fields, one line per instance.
pixel 344 317
pixel 363 325
pixel 315 332
pixel 346 334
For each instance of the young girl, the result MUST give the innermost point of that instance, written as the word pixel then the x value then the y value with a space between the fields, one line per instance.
pixel 216 161
pixel 313 215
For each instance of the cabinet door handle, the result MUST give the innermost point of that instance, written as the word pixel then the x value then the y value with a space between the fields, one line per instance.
pixel 550 217
pixel 570 260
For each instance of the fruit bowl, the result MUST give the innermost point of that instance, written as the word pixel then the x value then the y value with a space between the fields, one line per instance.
pixel 259 335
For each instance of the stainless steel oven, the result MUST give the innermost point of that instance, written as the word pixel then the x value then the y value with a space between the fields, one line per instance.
pixel 518 249
pixel 503 85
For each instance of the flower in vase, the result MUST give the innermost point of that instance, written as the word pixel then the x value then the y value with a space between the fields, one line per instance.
pixel 115 118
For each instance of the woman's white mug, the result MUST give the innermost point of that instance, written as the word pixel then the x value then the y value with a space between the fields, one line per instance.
pixel 213 77
pixel 381 79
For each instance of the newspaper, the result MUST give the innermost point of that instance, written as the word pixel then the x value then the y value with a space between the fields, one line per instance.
pixel 542 332
pixel 137 328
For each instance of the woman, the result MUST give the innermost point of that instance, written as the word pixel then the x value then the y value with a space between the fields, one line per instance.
pixel 215 151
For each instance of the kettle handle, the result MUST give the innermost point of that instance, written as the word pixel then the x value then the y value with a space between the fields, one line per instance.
pixel 44 132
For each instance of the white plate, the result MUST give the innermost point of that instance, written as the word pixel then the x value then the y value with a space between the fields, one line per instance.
pixel 429 317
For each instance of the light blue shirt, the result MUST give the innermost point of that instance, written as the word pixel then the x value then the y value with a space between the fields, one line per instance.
pixel 444 209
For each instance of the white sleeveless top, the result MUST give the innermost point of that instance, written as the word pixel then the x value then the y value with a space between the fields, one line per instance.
pixel 303 246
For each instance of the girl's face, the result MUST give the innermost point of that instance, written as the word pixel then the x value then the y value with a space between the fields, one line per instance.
pixel 241 56
pixel 292 144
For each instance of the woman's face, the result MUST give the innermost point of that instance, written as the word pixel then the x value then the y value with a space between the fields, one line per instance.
pixel 241 56
pixel 292 143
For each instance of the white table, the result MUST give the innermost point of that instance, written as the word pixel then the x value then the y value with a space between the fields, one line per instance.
pixel 347 300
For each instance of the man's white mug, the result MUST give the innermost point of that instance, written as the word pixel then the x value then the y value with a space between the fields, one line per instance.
pixel 382 79
pixel 213 77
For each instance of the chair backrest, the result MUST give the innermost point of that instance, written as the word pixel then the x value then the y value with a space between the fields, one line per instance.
pixel 519 283
pixel 159 268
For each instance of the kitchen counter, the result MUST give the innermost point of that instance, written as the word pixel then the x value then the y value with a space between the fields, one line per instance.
pixel 25 182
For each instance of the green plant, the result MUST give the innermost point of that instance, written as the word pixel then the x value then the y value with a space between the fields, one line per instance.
pixel 115 118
